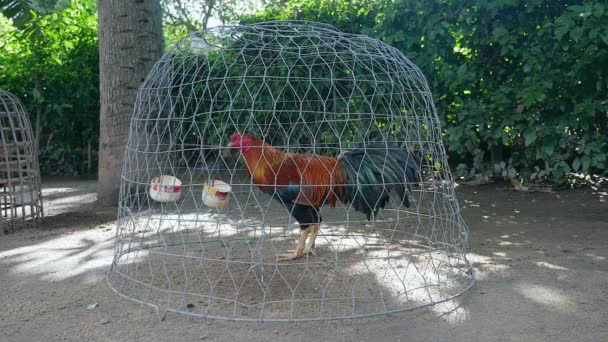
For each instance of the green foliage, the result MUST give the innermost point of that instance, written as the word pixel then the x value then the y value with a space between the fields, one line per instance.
pixel 521 87
pixel 58 48
pixel 182 17
pixel 21 11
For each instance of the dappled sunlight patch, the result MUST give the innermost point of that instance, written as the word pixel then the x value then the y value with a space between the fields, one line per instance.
pixel 510 242
pixel 550 266
pixel 63 257
pixel 485 266
pixel 47 191
pixel 547 296
pixel 420 279
pixel 595 257
pixel 76 199
pixel 452 312
pixel 63 204
pixel 468 203
pixel 67 195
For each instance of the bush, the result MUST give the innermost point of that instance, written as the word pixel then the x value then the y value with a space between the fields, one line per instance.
pixel 51 63
pixel 521 86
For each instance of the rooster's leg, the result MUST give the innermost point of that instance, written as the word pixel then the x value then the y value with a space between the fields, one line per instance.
pixel 299 251
pixel 310 245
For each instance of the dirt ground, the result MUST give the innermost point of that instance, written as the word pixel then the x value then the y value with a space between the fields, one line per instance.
pixel 541 262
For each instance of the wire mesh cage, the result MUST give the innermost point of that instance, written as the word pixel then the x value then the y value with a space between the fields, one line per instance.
pixel 20 198
pixel 287 171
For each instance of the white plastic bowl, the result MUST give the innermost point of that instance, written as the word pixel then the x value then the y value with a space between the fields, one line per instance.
pixel 216 194
pixel 165 189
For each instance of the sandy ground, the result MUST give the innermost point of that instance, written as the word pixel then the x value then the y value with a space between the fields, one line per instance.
pixel 541 262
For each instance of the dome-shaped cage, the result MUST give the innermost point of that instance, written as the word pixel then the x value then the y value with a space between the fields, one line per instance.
pixel 249 140
pixel 20 198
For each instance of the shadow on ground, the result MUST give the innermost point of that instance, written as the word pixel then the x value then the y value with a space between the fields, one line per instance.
pixel 540 261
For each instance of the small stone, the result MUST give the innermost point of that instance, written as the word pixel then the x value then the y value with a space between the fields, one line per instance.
pixel 189 305
pixel 203 337
pixel 105 322
pixel 276 332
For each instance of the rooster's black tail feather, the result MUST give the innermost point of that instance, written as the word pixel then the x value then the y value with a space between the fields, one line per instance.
pixel 372 173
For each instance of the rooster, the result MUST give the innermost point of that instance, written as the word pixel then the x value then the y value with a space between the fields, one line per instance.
pixel 303 183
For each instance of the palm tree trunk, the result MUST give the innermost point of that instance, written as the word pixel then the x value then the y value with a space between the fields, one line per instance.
pixel 130 42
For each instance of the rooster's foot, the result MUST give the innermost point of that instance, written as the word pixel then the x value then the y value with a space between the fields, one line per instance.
pixel 307 251
pixel 291 255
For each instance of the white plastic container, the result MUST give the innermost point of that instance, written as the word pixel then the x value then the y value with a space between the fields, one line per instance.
pixel 165 189
pixel 216 194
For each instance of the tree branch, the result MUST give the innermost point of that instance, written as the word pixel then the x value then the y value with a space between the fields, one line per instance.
pixel 208 12
pixel 454 14
pixel 185 17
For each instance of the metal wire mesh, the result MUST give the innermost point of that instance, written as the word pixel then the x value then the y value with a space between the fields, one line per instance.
pixel 298 102
pixel 20 198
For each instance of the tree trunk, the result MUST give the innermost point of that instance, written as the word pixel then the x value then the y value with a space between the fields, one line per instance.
pixel 130 42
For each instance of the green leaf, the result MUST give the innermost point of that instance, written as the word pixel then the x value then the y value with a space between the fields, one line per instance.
pixel 586 161
pixel 511 172
pixel 576 164
pixel 576 33
pixel 548 149
pixel 529 136
pixel 561 31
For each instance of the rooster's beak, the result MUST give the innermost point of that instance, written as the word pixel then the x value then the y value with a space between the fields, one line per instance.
pixel 230 144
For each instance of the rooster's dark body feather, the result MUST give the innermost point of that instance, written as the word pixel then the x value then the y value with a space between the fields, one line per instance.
pixel 303 183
